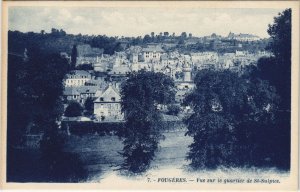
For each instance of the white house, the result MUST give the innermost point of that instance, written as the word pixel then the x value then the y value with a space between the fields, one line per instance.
pixel 77 78
pixel 152 53
pixel 107 106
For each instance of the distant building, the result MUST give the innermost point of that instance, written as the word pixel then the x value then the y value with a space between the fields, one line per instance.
pixel 79 94
pixel 107 106
pixel 152 53
pixel 77 78
pixel 187 82
pixel 87 54
pixel 243 37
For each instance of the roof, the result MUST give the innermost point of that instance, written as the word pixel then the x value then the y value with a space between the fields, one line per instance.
pixel 245 35
pixel 70 91
pixel 78 74
pixel 107 94
pixel 122 69
pixel 164 57
pixel 153 49
pixel 87 89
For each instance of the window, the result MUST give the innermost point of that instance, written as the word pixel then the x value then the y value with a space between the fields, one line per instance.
pixel 101 99
pixel 113 99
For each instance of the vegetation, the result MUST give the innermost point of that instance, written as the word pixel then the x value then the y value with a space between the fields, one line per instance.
pixel 34 106
pixel 141 94
pixel 223 104
pixel 89 106
pixel 74 109
pixel 244 120
pixel 277 70
pixel 173 109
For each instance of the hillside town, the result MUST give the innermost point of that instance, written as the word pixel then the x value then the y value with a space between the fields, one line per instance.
pixel 148 94
pixel 102 80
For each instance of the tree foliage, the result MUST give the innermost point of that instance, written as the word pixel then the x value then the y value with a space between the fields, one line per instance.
pixel 74 55
pixel 223 103
pixel 277 70
pixel 35 89
pixel 141 94
pixel 89 106
pixel 74 109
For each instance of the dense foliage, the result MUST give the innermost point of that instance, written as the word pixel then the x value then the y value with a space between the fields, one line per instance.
pixel 74 109
pixel 223 104
pixel 141 94
pixel 245 120
pixel 59 41
pixel 34 107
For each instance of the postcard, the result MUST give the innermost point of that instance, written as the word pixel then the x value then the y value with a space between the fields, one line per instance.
pixel 177 95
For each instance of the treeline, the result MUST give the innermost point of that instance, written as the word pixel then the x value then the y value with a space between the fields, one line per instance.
pixel 59 41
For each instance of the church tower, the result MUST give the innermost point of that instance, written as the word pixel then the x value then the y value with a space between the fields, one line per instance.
pixel 187 72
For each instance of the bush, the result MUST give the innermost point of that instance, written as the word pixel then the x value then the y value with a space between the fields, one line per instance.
pixel 74 109
pixel 173 110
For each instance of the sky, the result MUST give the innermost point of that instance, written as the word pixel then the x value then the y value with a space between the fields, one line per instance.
pixel 140 21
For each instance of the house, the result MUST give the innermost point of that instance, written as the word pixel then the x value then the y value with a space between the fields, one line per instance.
pixel 79 94
pixel 77 78
pixel 120 70
pixel 87 54
pixel 135 67
pixel 242 37
pixel 107 106
pixel 71 94
pixel 152 53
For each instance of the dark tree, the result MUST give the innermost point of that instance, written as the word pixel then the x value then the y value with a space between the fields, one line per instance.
pixel 74 56
pixel 74 109
pixel 85 67
pixel 152 35
pixel 141 94
pixel 223 103
pixel 147 39
pixel 277 70
pixel 184 35
pixel 89 106
pixel 34 99
pixel 173 109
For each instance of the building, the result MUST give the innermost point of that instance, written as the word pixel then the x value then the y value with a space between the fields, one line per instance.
pixel 242 37
pixel 79 94
pixel 87 54
pixel 77 78
pixel 107 106
pixel 187 83
pixel 152 53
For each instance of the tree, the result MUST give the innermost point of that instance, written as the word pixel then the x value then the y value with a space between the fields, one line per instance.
pixel 223 104
pixel 34 97
pixel 74 56
pixel 141 94
pixel 280 45
pixel 85 67
pixel 152 36
pixel 89 106
pixel 147 39
pixel 277 70
pixel 173 109
pixel 183 35
pixel 74 109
